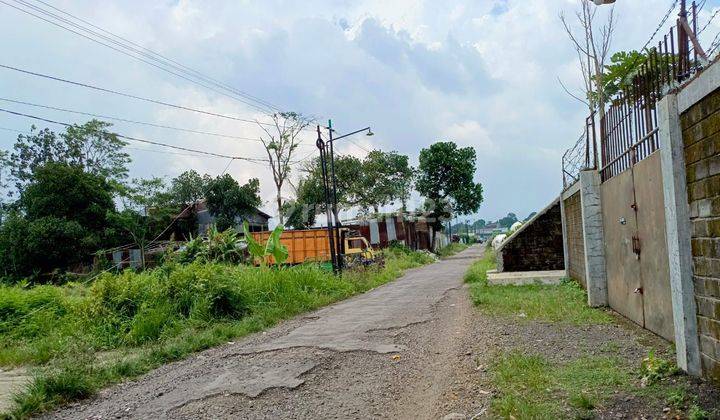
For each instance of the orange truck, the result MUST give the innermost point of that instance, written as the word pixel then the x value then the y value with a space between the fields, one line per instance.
pixel 313 245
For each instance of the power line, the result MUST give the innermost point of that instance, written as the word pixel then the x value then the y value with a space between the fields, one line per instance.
pixel 137 139
pixel 90 114
pixel 164 62
pixel 189 69
pixel 131 96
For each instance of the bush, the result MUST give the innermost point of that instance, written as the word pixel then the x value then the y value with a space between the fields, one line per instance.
pixel 223 247
pixel 158 315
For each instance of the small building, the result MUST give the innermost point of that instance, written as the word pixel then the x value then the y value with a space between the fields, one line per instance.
pixel 412 230
pixel 258 221
pixel 489 230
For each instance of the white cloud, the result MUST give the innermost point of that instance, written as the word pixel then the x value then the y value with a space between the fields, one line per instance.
pixel 418 71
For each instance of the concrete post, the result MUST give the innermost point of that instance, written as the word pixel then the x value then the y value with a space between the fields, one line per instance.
pixel 593 237
pixel 677 219
pixel 563 218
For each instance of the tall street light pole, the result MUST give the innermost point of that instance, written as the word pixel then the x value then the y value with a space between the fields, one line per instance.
pixel 323 167
pixel 336 240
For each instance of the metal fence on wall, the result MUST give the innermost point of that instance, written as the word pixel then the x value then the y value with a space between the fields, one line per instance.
pixel 582 156
pixel 628 128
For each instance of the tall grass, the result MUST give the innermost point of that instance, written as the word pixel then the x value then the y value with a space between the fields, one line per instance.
pixel 81 338
pixel 531 387
pixel 566 302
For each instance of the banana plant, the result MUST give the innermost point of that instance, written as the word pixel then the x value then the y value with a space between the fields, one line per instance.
pixel 273 247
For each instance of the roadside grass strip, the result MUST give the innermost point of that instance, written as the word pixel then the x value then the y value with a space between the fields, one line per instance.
pixel 79 338
pixel 566 302
pixel 533 385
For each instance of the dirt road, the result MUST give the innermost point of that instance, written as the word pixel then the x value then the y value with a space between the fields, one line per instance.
pixel 400 351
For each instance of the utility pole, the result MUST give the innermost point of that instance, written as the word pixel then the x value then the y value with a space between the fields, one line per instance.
pixel 323 166
pixel 340 251
pixel 328 173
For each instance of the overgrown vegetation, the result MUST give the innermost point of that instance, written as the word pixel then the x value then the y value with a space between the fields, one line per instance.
pixel 82 337
pixel 530 385
pixel 566 302
pixel 451 249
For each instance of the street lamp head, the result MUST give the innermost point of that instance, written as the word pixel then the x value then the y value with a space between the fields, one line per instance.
pixel 601 2
pixel 370 133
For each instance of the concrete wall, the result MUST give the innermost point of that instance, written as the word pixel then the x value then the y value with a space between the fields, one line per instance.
pixel 575 241
pixel 700 126
pixel 537 245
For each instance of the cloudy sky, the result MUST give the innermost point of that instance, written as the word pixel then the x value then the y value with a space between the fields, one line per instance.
pixel 482 73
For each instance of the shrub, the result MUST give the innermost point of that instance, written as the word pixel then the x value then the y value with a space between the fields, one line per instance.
pixel 169 311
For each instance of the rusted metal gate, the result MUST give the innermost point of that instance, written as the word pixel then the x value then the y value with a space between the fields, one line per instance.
pixel 635 246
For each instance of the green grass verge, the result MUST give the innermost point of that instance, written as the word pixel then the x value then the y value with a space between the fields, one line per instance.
pixel 81 338
pixel 566 302
pixel 451 249
pixel 529 386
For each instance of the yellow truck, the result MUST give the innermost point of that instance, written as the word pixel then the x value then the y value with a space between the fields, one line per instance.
pixel 314 245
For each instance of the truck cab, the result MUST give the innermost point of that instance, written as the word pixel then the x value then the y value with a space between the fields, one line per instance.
pixel 356 248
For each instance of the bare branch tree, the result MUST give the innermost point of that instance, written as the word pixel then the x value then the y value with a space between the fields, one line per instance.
pixel 592 48
pixel 280 142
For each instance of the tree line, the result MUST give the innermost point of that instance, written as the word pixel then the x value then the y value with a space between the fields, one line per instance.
pixel 70 196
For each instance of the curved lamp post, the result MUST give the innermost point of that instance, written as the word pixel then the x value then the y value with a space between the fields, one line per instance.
pixel 328 173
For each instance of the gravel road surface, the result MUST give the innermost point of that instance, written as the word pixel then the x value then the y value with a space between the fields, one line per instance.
pixel 403 350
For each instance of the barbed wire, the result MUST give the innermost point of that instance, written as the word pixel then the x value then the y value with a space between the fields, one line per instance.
pixel 662 23
pixel 707 24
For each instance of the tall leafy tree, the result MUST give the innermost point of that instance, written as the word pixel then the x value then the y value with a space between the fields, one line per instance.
pixel 446 179
pixel 298 214
pixel 508 220
pixel 348 172
pixel 148 211
pixel 61 218
pixel 281 142
pixel 377 180
pixel 90 147
pixel 228 201
pixel 385 176
pixel 189 187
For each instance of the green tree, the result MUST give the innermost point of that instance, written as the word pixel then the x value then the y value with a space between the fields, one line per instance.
pixel 62 217
pixel 299 215
pixel 89 146
pixel 508 220
pixel 310 190
pixel 623 67
pixel 229 201
pixel 384 177
pixel 189 187
pixel 148 211
pixel 445 179
pixel 370 183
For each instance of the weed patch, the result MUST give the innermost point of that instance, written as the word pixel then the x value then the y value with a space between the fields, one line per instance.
pixel 155 317
pixel 532 387
pixel 566 302
pixel 451 249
